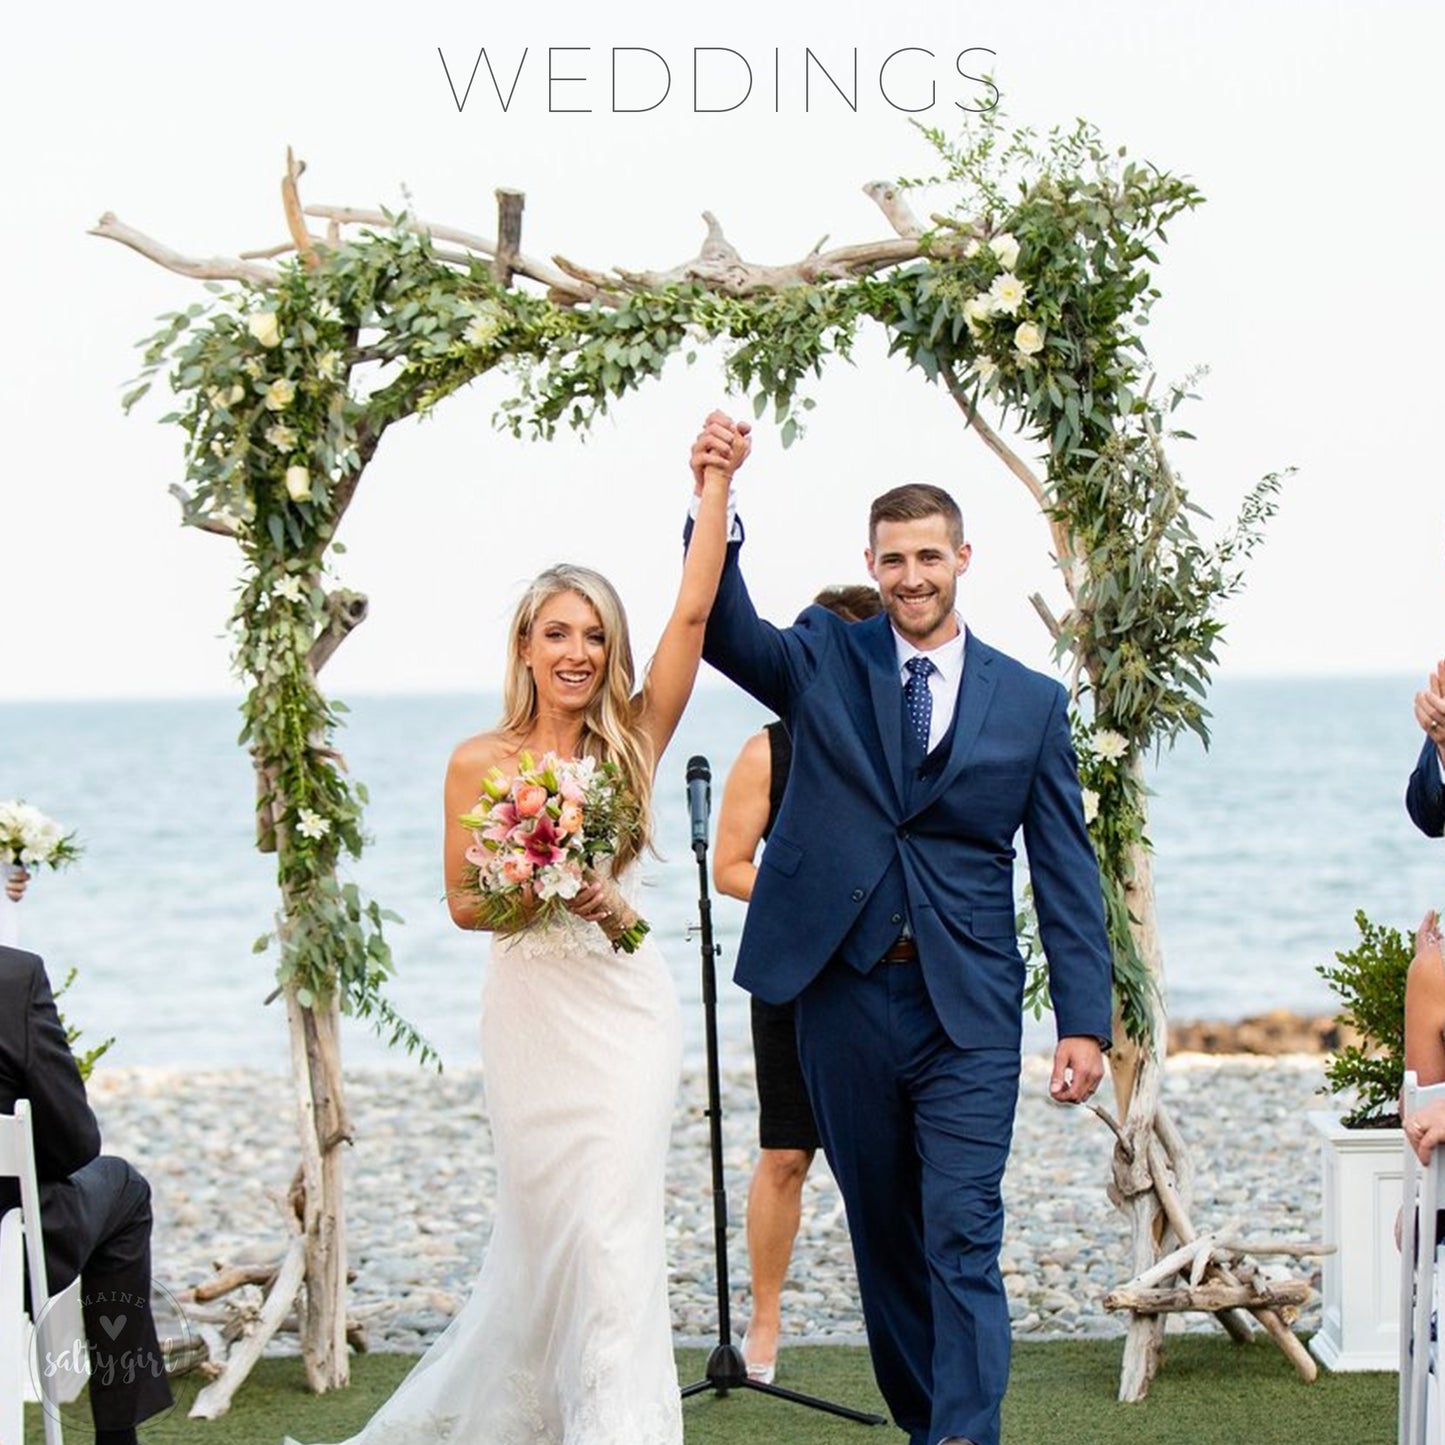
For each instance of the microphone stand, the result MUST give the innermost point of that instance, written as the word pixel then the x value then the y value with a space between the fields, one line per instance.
pixel 726 1368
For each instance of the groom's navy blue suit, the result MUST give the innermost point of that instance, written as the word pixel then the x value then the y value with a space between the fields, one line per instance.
pixel 1425 795
pixel 913 1068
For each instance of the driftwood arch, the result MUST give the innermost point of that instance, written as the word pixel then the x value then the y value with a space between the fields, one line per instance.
pixel 1030 292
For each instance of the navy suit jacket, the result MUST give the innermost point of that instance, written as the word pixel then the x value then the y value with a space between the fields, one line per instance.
pixel 844 820
pixel 1425 795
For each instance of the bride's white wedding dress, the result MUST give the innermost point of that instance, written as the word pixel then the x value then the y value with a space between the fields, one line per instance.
pixel 566 1338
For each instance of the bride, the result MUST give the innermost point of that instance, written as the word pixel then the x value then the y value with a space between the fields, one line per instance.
pixel 566 1338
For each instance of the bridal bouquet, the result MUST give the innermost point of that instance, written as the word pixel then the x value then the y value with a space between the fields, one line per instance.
pixel 536 835
pixel 28 838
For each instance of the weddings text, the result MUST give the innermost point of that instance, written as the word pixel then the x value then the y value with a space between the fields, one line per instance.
pixel 716 79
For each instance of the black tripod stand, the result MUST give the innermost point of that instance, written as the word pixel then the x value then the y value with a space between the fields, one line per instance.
pixel 726 1368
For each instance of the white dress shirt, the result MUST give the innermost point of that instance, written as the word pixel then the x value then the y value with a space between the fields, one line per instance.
pixel 943 681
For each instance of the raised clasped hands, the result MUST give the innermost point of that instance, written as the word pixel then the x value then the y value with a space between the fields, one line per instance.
pixel 15 882
pixel 722 446
pixel 1078 1069
pixel 1430 708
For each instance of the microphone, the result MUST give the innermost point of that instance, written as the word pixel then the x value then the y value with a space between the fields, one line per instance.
pixel 699 799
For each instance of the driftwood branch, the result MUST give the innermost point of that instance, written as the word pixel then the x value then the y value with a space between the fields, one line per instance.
pixel 889 199
pixel 567 289
pixel 235 1277
pixel 509 234
pixel 214 268
pixel 345 610
pixel 1210 1297
pixel 206 523
pixel 301 238
pixel 215 1399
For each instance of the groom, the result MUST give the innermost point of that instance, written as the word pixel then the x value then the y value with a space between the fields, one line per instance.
pixel 884 905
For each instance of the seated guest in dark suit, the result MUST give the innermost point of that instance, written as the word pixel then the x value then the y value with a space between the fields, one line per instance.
pixel 1425 797
pixel 94 1208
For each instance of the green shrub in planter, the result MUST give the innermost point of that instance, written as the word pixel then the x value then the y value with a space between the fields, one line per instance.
pixel 1370 981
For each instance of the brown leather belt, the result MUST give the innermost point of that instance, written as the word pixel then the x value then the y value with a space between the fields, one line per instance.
pixel 902 950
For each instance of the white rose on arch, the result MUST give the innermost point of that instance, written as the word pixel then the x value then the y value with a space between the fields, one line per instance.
pixel 298 484
pixel 977 310
pixel 265 327
pixel 1029 339
pixel 1091 804
pixel 280 394
pixel 1006 248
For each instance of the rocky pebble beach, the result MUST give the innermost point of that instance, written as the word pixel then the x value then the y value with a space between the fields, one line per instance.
pixel 219 1151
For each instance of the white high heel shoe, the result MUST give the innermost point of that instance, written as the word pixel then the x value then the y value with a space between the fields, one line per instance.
pixel 763 1371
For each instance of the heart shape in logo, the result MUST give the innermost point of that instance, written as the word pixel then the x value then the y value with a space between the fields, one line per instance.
pixel 112 1327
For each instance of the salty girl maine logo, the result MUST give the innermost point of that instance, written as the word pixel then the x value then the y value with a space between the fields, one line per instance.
pixel 135 1340
pixel 718 79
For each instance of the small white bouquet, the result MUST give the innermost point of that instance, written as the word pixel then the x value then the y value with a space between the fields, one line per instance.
pixel 28 839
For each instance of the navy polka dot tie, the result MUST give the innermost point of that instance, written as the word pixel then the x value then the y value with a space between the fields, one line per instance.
pixel 918 697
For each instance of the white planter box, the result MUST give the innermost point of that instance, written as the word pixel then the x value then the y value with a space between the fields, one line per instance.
pixel 1362 1175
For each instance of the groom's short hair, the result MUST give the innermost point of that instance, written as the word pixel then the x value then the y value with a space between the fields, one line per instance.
pixel 911 503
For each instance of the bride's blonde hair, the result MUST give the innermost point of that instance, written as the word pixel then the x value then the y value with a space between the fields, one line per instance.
pixel 610 732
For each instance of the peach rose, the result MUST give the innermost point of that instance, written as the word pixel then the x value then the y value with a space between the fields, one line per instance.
pixel 569 820
pixel 530 800
pixel 517 869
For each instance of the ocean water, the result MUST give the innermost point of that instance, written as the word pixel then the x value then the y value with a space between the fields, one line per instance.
pixel 1265 847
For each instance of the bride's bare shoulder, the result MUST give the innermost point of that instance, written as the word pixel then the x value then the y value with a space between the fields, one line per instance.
pixel 483 751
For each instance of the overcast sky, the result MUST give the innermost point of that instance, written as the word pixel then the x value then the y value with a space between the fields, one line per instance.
pixel 1309 284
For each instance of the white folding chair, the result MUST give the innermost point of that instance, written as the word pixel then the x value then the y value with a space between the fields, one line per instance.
pixel 55 1352
pixel 1422 1416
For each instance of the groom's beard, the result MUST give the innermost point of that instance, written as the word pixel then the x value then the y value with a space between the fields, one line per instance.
pixel 919 622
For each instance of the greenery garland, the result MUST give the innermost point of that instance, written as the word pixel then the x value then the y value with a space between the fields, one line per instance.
pixel 1032 294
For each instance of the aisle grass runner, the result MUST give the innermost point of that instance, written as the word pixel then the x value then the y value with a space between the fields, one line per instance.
pixel 1210 1392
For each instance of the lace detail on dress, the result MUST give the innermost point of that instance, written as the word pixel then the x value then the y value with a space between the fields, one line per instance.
pixel 565 934
pixel 568 936
pixel 601 1413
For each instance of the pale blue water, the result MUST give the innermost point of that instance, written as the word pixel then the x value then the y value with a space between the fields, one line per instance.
pixel 1265 847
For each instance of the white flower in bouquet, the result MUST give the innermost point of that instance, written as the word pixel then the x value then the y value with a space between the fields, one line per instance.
pixel 1110 745
pixel 1006 248
pixel 281 436
pixel 264 326
pixel 29 838
pixel 1007 293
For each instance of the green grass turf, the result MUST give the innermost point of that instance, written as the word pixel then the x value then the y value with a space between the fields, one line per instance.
pixel 1210 1392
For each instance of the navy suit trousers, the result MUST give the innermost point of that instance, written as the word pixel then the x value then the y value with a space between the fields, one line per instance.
pixel 917 1132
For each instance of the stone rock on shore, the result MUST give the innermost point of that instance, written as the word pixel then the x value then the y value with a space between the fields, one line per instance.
pixel 1274 1033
